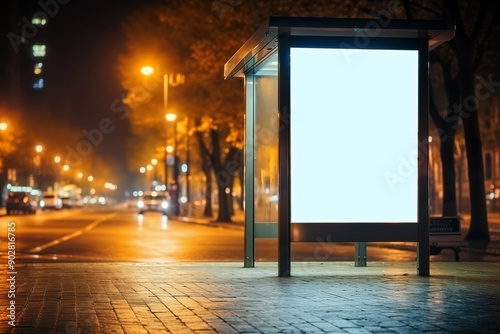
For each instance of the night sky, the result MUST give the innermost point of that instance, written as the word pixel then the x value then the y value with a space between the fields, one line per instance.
pixel 86 41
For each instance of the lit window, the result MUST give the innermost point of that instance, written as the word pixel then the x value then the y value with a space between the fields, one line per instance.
pixel 38 84
pixel 38 68
pixel 39 50
pixel 39 19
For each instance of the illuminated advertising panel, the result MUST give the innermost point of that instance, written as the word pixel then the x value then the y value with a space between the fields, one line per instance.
pixel 354 135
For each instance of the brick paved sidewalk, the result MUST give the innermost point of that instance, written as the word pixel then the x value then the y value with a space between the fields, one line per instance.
pixel 385 297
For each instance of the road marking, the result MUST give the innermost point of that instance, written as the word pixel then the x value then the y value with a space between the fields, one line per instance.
pixel 72 235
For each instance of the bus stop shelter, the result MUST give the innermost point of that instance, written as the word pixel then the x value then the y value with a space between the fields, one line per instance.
pixel 336 132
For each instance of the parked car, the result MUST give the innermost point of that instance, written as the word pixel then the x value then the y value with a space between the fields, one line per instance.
pixel 67 202
pixel 154 201
pixel 20 202
pixel 51 201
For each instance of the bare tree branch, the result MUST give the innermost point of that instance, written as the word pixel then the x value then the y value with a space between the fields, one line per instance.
pixel 427 9
pixel 481 45
pixel 406 6
pixel 480 22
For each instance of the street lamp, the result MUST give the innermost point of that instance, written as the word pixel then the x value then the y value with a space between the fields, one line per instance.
pixel 173 80
pixel 148 70
pixel 171 117
pixel 37 164
pixel 3 126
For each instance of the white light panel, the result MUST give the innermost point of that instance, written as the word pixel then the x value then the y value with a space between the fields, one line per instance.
pixel 354 135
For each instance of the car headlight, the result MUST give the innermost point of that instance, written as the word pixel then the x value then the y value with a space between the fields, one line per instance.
pixel 140 204
pixel 164 205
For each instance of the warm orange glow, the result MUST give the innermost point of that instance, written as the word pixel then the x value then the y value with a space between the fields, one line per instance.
pixel 149 167
pixel 90 178
pixel 57 159
pixel 39 148
pixel 154 162
pixel 171 117
pixel 66 168
pixel 147 70
pixel 170 149
pixel 3 126
pixel 80 175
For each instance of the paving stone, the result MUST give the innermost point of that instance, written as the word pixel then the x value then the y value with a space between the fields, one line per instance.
pixel 225 298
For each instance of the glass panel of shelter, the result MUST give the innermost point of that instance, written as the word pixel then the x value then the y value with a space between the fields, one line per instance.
pixel 265 96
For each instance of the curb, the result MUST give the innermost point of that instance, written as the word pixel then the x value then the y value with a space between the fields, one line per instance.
pixel 210 223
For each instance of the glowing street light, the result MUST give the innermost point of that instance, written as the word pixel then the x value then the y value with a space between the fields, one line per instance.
pixel 149 167
pixel 57 159
pixel 66 168
pixel 154 162
pixel 90 178
pixel 142 170
pixel 147 70
pixel 170 149
pixel 3 126
pixel 39 148
pixel 171 117
pixel 80 175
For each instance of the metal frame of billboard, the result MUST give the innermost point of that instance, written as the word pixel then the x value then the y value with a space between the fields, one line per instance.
pixel 279 35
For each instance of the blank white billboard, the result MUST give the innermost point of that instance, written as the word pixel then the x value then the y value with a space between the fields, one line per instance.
pixel 354 135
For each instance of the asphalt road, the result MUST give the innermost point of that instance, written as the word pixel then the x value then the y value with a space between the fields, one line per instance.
pixel 98 234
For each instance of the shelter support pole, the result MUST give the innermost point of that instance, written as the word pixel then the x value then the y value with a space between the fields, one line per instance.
pixel 423 247
pixel 360 254
pixel 249 176
pixel 284 213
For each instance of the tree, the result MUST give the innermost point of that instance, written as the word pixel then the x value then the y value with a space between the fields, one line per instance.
pixel 476 26
pixel 204 35
pixel 447 125
pixel 469 45
pixel 445 116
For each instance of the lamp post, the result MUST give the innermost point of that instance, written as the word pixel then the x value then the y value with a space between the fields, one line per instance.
pixel 171 117
pixel 37 164
pixel 57 171
pixel 154 162
pixel 148 70
pixel 174 80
